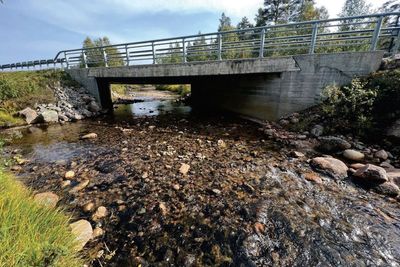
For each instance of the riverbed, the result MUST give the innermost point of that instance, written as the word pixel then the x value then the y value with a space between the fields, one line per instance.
pixel 240 200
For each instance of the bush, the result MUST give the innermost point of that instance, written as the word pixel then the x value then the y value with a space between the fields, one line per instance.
pixel 180 89
pixel 366 104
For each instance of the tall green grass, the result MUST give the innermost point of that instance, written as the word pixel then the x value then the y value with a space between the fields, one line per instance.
pixel 31 234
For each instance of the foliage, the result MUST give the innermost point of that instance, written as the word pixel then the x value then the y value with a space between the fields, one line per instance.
pixel 30 234
pixel 95 55
pixel 180 89
pixel 369 103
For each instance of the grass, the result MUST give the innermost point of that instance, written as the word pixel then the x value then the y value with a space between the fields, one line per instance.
pixel 30 234
pixel 19 90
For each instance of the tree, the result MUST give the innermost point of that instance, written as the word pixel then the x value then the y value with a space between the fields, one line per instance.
pixel 228 39
pixel 279 12
pixel 95 56
pixel 225 23
pixel 310 12
pixel 198 50
pixel 355 8
pixel 174 55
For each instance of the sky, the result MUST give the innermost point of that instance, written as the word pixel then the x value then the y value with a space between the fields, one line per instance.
pixel 38 29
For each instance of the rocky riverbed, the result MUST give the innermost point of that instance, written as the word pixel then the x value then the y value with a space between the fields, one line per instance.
pixel 170 187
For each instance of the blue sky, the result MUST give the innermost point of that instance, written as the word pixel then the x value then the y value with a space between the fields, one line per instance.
pixel 38 29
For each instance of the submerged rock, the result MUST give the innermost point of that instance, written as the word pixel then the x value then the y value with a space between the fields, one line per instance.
pixel 372 173
pixel 332 166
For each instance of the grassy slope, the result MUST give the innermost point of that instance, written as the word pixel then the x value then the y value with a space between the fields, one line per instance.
pixel 19 90
pixel 30 234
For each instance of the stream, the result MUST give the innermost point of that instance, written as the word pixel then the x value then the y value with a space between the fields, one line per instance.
pixel 243 202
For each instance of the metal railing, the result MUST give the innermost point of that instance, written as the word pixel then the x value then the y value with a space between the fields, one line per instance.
pixel 360 33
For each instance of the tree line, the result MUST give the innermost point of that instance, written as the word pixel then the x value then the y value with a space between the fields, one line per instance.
pixel 242 45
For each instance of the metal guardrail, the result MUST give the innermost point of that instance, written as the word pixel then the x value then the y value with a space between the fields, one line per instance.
pixel 359 33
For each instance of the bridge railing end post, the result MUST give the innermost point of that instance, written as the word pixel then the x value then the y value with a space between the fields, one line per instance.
pixel 314 37
pixel 219 47
pixel 262 43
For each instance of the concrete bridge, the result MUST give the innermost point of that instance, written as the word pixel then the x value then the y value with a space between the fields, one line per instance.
pixel 265 72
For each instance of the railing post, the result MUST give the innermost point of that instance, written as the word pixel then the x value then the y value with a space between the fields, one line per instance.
pixel 105 58
pixel 184 50
pixel 154 52
pixel 377 32
pixel 66 60
pixel 314 36
pixel 127 55
pixel 262 43
pixel 85 59
pixel 219 47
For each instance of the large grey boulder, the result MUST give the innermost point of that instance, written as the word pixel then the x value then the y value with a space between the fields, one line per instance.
pixel 29 114
pixel 48 116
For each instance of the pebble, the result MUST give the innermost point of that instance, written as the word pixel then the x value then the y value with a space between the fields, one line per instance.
pixel 89 136
pixel 216 191
pixel 100 213
pixel 221 143
pixel 65 183
pixel 69 175
pixel 313 177
pixel 88 207
pixel 176 187
pixel 79 187
pixel 184 169
pixel 97 232
pixel 353 155
pixel 381 154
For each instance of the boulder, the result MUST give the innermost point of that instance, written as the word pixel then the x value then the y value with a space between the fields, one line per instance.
pixel 394 176
pixel 332 166
pixel 389 189
pixel 381 154
pixel 48 116
pixel 372 173
pixel 83 232
pixel 94 107
pixel 48 199
pixel 29 114
pixel 353 155
pixel 332 144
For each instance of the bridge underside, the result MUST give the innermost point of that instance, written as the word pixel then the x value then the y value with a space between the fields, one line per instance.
pixel 260 88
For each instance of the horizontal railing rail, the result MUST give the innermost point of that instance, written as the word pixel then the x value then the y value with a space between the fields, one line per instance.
pixel 359 33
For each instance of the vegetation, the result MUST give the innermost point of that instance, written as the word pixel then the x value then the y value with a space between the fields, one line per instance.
pixel 30 234
pixel 21 89
pixel 95 55
pixel 180 89
pixel 366 105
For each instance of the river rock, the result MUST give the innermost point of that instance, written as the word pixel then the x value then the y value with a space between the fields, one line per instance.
pixel 97 232
pixel 389 189
pixel 296 154
pixel 184 169
pixel 29 114
pixel 353 155
pixel 79 187
pixel 313 177
pixel 83 232
pixel 100 213
pixel 65 183
pixel 48 199
pixel 332 144
pixel 94 107
pixel 89 136
pixel 357 166
pixel 88 207
pixel 332 166
pixel 381 154
pixel 221 143
pixel 48 116
pixel 317 130
pixel 69 175
pixel 372 173
pixel 394 176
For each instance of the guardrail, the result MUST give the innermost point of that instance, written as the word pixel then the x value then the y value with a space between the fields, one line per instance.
pixel 359 33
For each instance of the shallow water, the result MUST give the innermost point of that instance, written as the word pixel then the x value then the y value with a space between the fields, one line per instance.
pixel 302 224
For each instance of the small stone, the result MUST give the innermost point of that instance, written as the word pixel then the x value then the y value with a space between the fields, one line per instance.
pixel 83 232
pixel 94 107
pixel 381 154
pixel 216 191
pixel 372 173
pixel 145 175
pixel 16 168
pixel 65 183
pixel 357 166
pixel 48 199
pixel 332 144
pixel 163 208
pixel 100 213
pixel 259 228
pixel 97 232
pixel 221 144
pixel 152 127
pixel 353 155
pixel 296 154
pixel 313 177
pixel 176 187
pixel 317 130
pixel 89 136
pixel 79 187
pixel 69 175
pixel 332 166
pixel 88 207
pixel 141 211
pixel 184 169
pixel 394 176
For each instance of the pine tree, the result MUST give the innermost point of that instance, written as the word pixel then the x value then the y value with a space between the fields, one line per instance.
pixel 94 54
pixel 197 51
pixel 227 39
pixel 279 12
pixel 353 8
